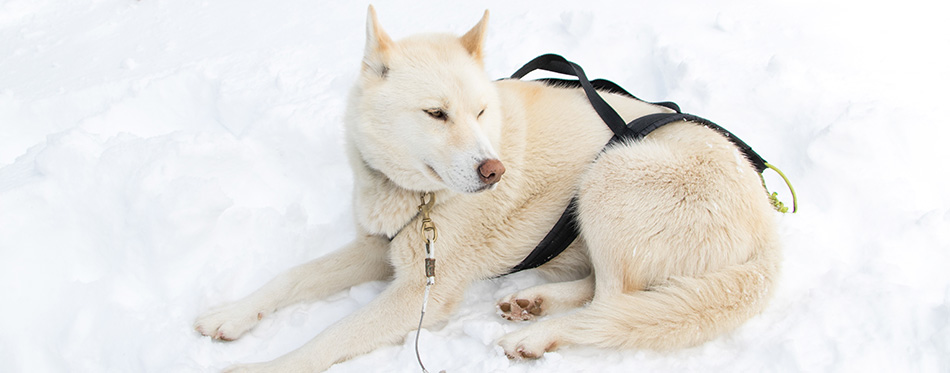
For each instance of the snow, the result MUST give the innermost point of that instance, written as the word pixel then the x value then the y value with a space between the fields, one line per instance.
pixel 158 158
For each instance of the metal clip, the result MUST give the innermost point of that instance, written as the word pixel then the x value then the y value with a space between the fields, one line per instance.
pixel 428 228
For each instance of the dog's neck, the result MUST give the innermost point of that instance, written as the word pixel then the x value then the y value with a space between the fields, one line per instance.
pixel 382 207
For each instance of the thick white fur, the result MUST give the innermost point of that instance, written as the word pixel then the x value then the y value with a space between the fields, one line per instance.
pixel 677 241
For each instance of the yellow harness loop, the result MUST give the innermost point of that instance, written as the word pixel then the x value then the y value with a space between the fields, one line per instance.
pixel 773 197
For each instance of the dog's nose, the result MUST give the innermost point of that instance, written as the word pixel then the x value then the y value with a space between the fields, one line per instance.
pixel 490 171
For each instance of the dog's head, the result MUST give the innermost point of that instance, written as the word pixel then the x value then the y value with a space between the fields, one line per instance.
pixel 424 112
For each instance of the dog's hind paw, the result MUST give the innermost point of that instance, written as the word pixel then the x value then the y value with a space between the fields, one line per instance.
pixel 546 299
pixel 527 343
pixel 227 323
pixel 517 309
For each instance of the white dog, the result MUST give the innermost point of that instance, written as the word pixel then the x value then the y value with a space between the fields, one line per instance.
pixel 677 243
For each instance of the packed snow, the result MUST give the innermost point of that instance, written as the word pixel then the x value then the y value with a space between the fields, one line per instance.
pixel 158 158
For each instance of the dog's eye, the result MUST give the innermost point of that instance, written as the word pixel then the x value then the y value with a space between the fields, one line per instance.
pixel 480 113
pixel 437 114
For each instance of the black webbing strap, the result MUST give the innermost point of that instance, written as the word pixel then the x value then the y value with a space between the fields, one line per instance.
pixel 558 64
pixel 559 238
pixel 565 231
pixel 642 126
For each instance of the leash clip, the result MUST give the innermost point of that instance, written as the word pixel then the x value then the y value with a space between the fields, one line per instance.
pixel 428 227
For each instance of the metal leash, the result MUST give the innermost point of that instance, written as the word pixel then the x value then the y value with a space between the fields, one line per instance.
pixel 430 235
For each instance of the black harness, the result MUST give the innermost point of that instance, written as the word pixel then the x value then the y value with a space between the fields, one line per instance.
pixel 565 230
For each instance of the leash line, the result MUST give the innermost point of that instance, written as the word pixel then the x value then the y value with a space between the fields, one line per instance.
pixel 422 316
pixel 430 234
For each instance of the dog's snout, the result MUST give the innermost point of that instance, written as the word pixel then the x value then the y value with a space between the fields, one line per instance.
pixel 490 171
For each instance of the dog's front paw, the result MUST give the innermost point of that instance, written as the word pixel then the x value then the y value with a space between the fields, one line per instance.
pixel 229 322
pixel 518 309
pixel 525 344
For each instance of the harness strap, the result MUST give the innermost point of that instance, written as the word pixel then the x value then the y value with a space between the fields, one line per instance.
pixel 565 231
pixel 642 126
pixel 555 242
pixel 558 64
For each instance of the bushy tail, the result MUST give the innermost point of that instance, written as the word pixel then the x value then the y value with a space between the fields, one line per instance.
pixel 683 312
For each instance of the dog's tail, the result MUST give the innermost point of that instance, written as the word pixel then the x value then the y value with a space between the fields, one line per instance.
pixel 683 312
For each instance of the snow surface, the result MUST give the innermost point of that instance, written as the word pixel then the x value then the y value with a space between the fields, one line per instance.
pixel 158 158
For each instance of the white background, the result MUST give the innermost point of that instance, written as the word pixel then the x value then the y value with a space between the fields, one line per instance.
pixel 158 158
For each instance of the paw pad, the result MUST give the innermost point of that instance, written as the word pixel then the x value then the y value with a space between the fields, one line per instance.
pixel 521 309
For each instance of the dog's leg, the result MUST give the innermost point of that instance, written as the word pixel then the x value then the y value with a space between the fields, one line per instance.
pixel 385 320
pixel 362 260
pixel 689 254
pixel 683 312
pixel 547 299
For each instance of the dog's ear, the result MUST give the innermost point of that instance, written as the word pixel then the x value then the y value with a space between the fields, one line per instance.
pixel 378 45
pixel 474 39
